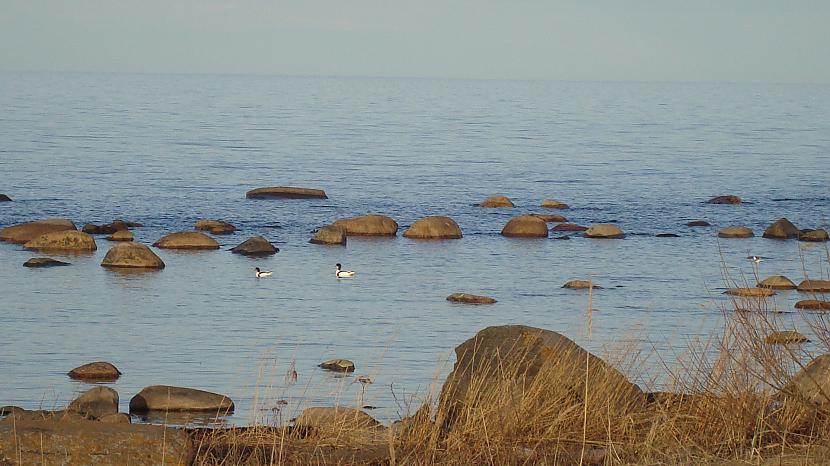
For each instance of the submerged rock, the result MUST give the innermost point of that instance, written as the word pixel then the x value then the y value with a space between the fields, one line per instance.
pixel 44 262
pixel 121 235
pixel 814 286
pixel 338 365
pixel 785 337
pixel 67 240
pixel 216 227
pixel 750 292
pixel 782 229
pixel 736 232
pixel 186 240
pixel 569 227
pixel 604 231
pixel 96 402
pixel 814 236
pixel 255 246
pixel 5 198
pixel 132 255
pixel 470 298
pixel 329 234
pixel 497 201
pixel 551 218
pixel 168 398
pixel 553 204
pixel 725 200
pixel 777 282
pixel 26 232
pixel 368 225
pixel 437 227
pixel 285 192
pixel 525 226
pixel 581 285
pixel 99 371
pixel 698 223
pixel 813 305
pixel 667 235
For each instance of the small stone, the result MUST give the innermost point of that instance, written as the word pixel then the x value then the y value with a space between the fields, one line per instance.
pixel 216 227
pixel 497 201
pixel 121 235
pixel 99 371
pixel 569 227
pixel 750 292
pixel 604 231
pixel 667 235
pixel 338 365
pixel 551 218
pixel 44 262
pixel 725 200
pixel 581 285
pixel 698 223
pixel 470 298
pixel 736 232
pixel 553 204
pixel 255 246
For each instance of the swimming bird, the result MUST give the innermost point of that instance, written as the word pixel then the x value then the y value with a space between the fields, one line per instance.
pixel 756 259
pixel 339 273
pixel 263 273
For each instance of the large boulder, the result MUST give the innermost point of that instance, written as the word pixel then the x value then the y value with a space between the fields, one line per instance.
pixel 26 232
pixel 814 236
pixel 5 198
pixel 437 227
pixel 329 234
pixel 167 398
pixel 77 442
pixel 604 231
pixel 525 226
pixel 553 204
pixel 810 383
pixel 67 240
pixel 338 365
pixel 736 232
pixel 497 201
pixel 335 418
pixel 729 199
pixel 470 298
pixel 368 225
pixel 99 371
pixel 569 227
pixel 814 286
pixel 285 192
pixel 132 255
pixel 216 227
pixel 121 235
pixel 750 292
pixel 96 402
pixel 782 229
pixel 255 246
pixel 813 305
pixel 44 262
pixel 777 282
pixel 186 240
pixel 515 369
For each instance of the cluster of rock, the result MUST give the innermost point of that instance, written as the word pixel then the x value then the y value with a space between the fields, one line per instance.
pixel 505 202
pixel 781 229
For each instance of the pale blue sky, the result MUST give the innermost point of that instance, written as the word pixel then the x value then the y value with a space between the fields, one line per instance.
pixel 662 40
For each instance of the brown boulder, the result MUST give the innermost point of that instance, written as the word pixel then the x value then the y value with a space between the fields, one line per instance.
pixel 26 232
pixel 99 371
pixel 117 418
pixel 813 305
pixel 785 337
pixel 335 418
pixel 470 298
pixel 782 229
pixel 569 227
pixel 167 398
pixel 368 225
pixel 525 226
pixel 255 246
pixel 777 282
pixel 121 235
pixel 216 227
pixel 750 292
pixel 67 240
pixel 604 231
pixel 96 402
pixel 132 255
pixel 553 204
pixel 810 383
pixel 186 240
pixel 329 234
pixel 551 218
pixel 338 365
pixel 437 227
pixel 285 192
pixel 814 236
pixel 725 200
pixel 814 286
pixel 497 201
pixel 736 232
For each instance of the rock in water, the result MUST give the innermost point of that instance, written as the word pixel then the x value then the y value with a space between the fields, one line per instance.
pixel 725 200
pixel 132 255
pixel 785 337
pixel 67 240
pixel 4 198
pixel 216 227
pixel 525 226
pixel 782 229
pixel 437 227
pixel 285 192
pixel 99 371
pixel 470 298
pixel 255 246
pixel 814 286
pixel 813 305
pixel 777 282
pixel 736 232
pixel 167 398
pixel 569 227
pixel 368 225
pixel 44 262
pixel 551 218
pixel 553 204
pixel 26 232
pixel 604 231
pixel 581 285
pixel 97 402
pixel 750 292
pixel 815 236
pixel 121 235
pixel 698 223
pixel 187 240
pixel 329 234
pixel 338 365
pixel 497 201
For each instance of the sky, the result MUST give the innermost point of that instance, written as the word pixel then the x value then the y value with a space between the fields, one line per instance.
pixel 596 40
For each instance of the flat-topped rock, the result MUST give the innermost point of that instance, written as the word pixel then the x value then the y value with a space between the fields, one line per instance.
pixel 437 227
pixel 44 262
pixel 581 285
pixel 169 398
pixel 215 227
pixel 5 198
pixel 782 229
pixel 132 255
pixel 777 282
pixel 736 232
pixel 497 201
pixel 96 402
pixel 338 365
pixel 121 235
pixel 99 371
pixel 814 286
pixel 28 231
pixel 569 227
pixel 286 192
pixel 255 246
pixel 729 199
pixel 335 418
pixel 698 223
pixel 368 225
pixel 785 337
pixel 750 292
pixel 551 218
pixel 66 240
pixel 813 305
pixel 604 231
pixel 814 236
pixel 470 298
pixel 525 226
pixel 329 234
pixel 553 204
pixel 186 240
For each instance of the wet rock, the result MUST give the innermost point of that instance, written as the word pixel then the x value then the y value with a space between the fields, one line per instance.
pixel 186 240
pixel 470 298
pixel 736 232
pixel 5 198
pixel 810 383
pixel 67 240
pixel 168 398
pixel 96 402
pixel 667 235
pixel 777 282
pixel 553 204
pixel 335 418
pixel 604 231
pixel 551 218
pixel 368 225
pixel 813 305
pixel 750 292
pixel 99 371
pixel 581 285
pixel 26 232
pixel 215 227
pixel 698 223
pixel 725 200
pixel 569 227
pixel 338 365
pixel 497 201
pixel 286 192
pixel 121 235
pixel 132 255
pixel 117 418
pixel 329 234
pixel 785 337
pixel 255 246
pixel 109 228
pixel 782 229
pixel 814 236
pixel 44 262
pixel 814 286
pixel 437 227
pixel 525 226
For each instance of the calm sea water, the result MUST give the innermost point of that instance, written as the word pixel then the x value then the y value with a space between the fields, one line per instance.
pixel 168 150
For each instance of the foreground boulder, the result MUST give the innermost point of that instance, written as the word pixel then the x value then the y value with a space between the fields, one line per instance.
pixel 815 236
pixel 497 201
pixel 167 398
pixel 525 226
pixel 99 371
pixel 255 246
pixel 437 227
pixel 338 365
pixel 67 240
pixel 581 285
pixel 44 262
pixel 216 227
pixel 81 442
pixel 785 337
pixel 551 218
pixel 329 234
pixel 810 383
pixel 470 298
pixel 186 240
pixel 96 402
pixel 507 368
pixel 26 232
pixel 813 305
pixel 814 286
pixel 335 418
pixel 132 255
pixel 604 231
pixel 736 232
pixel 553 204
pixel 725 200
pixel 777 282
pixel 569 227
pixel 5 198
pixel 750 292
pixel 285 192
pixel 782 229
pixel 121 235
pixel 368 225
